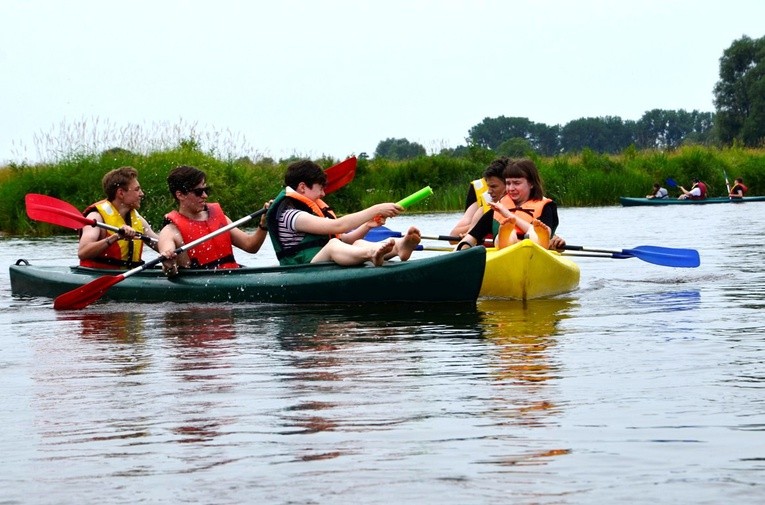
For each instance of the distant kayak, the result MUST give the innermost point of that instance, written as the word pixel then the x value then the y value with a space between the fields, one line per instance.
pixel 635 202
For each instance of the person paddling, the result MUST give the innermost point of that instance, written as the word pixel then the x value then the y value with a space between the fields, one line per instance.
pixel 100 248
pixel 698 191
pixel 196 217
pixel 739 189
pixel 303 229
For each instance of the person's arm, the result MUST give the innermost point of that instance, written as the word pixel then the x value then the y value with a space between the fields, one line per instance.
pixel 467 220
pixel 251 242
pixel 170 239
pixel 94 241
pixel 149 232
pixel 309 223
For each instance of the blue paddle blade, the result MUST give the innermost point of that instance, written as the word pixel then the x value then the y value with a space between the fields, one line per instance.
pixel 666 256
pixel 671 182
pixel 381 233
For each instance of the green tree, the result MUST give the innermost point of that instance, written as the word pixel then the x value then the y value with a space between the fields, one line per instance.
pixel 399 149
pixel 740 93
pixel 600 134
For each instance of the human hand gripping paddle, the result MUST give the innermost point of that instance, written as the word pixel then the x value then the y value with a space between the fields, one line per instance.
pixel 54 211
pixel 664 256
pixel 81 297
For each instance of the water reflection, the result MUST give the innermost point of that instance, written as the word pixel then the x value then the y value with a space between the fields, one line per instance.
pixel 202 343
pixel 523 366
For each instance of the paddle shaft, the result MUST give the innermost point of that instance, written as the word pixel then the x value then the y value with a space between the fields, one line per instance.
pixel 42 213
pixel 194 243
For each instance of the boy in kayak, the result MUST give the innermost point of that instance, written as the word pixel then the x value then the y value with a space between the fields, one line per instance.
pixel 658 192
pixel 304 229
pixel 99 248
pixel 196 218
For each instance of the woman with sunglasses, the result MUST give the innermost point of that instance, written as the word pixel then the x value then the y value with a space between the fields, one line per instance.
pixel 195 218
pixel 524 212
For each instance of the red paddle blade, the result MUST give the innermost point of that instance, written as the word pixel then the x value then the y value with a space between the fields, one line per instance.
pixel 81 297
pixel 54 211
pixel 339 175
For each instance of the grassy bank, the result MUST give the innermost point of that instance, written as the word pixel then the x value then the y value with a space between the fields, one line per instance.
pixel 241 186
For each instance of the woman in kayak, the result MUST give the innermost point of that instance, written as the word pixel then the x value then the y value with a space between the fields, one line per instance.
pixel 195 218
pixel 304 229
pixel 523 212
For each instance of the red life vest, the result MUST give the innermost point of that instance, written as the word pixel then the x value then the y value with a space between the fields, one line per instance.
pixel 217 252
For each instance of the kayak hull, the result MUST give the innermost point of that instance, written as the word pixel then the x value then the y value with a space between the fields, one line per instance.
pixel 636 202
pixel 526 271
pixel 420 280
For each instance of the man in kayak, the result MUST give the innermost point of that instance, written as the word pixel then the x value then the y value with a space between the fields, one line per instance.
pixel 738 190
pixel 304 229
pixel 100 248
pixel 196 218
pixel 523 212
pixel 658 192
pixel 698 191
pixel 489 188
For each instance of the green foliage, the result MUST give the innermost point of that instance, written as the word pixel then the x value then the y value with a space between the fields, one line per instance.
pixel 399 149
pixel 241 186
pixel 740 93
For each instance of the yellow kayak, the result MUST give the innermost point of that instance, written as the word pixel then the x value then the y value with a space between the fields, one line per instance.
pixel 525 271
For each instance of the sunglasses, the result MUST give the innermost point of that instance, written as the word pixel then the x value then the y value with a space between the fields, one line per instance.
pixel 200 191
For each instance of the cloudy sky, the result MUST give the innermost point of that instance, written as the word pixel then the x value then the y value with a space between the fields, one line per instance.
pixel 335 77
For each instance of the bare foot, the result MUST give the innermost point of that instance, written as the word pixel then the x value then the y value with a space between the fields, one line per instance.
pixel 542 232
pixel 378 256
pixel 408 243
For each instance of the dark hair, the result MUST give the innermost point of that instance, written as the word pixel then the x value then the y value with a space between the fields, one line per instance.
pixel 117 178
pixel 184 178
pixel 526 169
pixel 496 168
pixel 304 171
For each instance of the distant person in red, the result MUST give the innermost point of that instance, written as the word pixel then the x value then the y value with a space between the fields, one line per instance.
pixel 698 191
pixel 738 190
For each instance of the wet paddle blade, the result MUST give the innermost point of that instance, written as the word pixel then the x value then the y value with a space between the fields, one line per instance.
pixel 339 175
pixel 83 296
pixel 54 211
pixel 666 256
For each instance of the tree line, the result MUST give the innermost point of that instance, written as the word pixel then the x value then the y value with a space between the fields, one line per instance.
pixel 739 119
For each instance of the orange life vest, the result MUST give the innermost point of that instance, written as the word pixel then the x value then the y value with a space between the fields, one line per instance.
pixel 530 210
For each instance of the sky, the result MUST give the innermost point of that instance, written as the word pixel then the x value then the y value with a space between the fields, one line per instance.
pixel 315 78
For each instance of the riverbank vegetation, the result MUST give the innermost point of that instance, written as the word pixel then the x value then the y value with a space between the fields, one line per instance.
pixel 242 185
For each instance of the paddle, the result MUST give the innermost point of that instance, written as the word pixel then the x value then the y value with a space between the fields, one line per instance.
pixel 83 296
pixel 664 256
pixel 671 182
pixel 339 175
pixel 382 233
pixel 54 211
pixel 727 184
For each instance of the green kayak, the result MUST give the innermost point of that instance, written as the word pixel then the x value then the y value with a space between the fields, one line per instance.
pixel 627 201
pixel 455 277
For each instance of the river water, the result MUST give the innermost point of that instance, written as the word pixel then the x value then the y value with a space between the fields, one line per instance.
pixel 646 385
